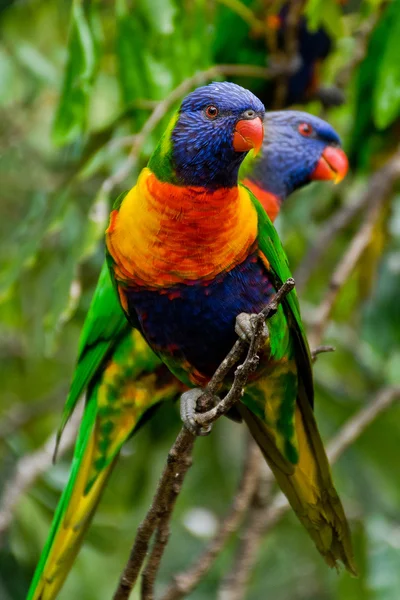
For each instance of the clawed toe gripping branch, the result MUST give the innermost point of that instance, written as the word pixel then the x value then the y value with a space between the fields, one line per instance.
pixel 199 412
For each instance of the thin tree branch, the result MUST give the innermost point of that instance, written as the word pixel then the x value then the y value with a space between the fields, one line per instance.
pixel 162 108
pixel 321 350
pixel 22 413
pixel 244 12
pixel 378 188
pixel 378 191
pixel 178 462
pixel 185 582
pixel 179 457
pixel 362 36
pixel 356 425
pixel 30 467
pixel 234 585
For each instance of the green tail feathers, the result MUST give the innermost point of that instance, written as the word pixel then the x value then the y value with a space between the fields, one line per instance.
pixel 308 484
pixel 73 515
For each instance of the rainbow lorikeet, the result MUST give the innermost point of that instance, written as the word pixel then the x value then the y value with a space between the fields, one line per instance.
pixel 189 249
pixel 124 378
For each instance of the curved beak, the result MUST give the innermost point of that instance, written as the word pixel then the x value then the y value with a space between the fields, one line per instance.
pixel 333 164
pixel 248 134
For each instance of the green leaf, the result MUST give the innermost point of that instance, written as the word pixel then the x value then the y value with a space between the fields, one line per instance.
pixel 130 44
pixel 326 14
pixel 71 117
pixel 386 101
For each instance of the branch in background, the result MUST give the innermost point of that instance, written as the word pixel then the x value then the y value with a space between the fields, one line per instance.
pixel 377 189
pixel 361 36
pixel 244 12
pixel 31 466
pixel 235 584
pixel 356 425
pixel 162 108
pixel 185 582
pixel 179 458
pixel 321 350
pixel 21 413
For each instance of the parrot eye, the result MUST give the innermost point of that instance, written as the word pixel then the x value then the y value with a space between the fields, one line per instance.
pixel 211 111
pixel 305 129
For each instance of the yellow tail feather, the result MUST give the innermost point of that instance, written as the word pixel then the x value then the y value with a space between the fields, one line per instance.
pixel 72 528
pixel 308 485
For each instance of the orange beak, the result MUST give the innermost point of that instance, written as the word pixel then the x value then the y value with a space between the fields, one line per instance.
pixel 249 133
pixel 333 164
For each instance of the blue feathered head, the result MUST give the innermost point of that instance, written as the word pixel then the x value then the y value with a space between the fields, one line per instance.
pixel 297 148
pixel 206 142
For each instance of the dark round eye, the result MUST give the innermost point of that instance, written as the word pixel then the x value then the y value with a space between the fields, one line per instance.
pixel 305 129
pixel 212 111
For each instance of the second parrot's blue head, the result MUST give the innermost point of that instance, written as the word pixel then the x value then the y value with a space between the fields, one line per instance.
pixel 297 148
pixel 214 129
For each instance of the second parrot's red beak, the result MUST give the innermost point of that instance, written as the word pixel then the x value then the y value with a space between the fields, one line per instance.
pixel 333 164
pixel 248 134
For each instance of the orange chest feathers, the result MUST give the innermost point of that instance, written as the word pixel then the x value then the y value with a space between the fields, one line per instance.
pixel 164 234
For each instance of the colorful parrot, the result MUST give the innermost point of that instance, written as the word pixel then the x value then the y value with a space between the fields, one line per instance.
pixel 189 249
pixel 124 378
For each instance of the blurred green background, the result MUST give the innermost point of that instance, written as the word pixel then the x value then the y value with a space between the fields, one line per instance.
pixel 77 80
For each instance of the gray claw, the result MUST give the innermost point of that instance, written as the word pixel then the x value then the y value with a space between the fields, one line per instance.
pixel 188 405
pixel 244 327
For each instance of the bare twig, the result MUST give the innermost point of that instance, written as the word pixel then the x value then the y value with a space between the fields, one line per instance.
pixel 185 582
pixel 154 560
pixel 378 188
pixel 362 36
pixel 162 108
pixel 178 463
pixel 235 583
pixel 30 467
pixel 179 459
pixel 22 412
pixel 356 425
pixel 327 234
pixel 257 26
pixel 321 350
pixel 261 522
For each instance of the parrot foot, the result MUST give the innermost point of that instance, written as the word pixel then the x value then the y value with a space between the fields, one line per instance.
pixel 188 410
pixel 244 327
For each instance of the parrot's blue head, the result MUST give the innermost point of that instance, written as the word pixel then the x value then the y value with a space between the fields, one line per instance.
pixel 215 127
pixel 297 148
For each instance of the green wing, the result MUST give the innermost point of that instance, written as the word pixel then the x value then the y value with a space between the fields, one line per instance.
pixel 271 247
pixel 104 325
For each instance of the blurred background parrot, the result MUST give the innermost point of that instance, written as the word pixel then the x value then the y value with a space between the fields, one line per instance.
pixel 266 45
pixel 125 380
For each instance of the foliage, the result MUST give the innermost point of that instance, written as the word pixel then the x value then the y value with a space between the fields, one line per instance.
pixel 70 100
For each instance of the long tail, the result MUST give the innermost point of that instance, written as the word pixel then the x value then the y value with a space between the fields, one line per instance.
pixel 108 421
pixel 73 515
pixel 308 485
